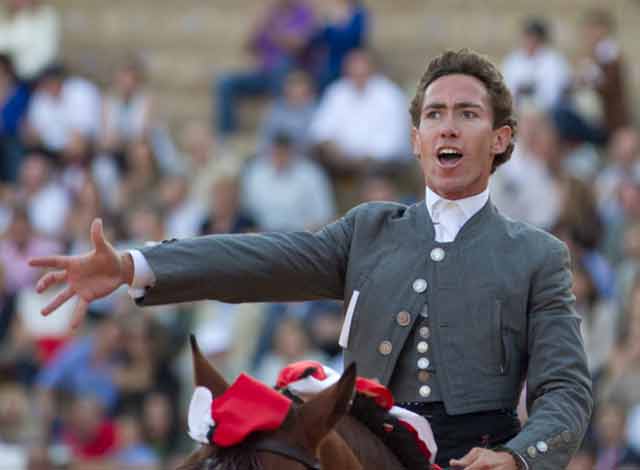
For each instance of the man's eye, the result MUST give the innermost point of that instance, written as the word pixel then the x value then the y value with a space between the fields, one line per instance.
pixel 469 114
pixel 433 115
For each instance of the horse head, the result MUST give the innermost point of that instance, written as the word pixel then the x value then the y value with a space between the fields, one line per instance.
pixel 291 446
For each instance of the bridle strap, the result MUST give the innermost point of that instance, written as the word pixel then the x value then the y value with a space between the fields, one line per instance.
pixel 278 447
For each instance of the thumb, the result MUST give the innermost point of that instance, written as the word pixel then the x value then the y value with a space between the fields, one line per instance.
pixel 97 235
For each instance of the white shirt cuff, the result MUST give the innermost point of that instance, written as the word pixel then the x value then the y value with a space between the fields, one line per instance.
pixel 143 276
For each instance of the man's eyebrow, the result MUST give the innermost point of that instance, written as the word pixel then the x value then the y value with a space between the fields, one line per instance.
pixel 461 104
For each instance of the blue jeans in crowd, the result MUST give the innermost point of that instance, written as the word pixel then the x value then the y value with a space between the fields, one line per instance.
pixel 229 88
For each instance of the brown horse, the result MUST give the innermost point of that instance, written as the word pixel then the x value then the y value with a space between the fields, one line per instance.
pixel 316 435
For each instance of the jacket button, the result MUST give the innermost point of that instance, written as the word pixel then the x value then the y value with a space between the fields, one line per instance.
pixel 423 363
pixel 424 376
pixel 542 447
pixel 424 391
pixel 422 347
pixel 419 285
pixel 532 452
pixel 403 318
pixel 385 348
pixel 437 254
pixel 424 332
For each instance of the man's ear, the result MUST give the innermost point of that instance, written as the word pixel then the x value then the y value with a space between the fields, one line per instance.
pixel 415 142
pixel 320 414
pixel 501 139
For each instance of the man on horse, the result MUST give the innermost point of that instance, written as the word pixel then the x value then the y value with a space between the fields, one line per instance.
pixel 450 304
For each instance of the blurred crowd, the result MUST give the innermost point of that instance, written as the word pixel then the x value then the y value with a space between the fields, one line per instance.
pixel 334 131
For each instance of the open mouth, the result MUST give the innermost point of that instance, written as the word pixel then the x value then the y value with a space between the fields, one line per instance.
pixel 449 157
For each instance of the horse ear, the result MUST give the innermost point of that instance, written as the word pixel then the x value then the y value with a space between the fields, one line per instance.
pixel 320 414
pixel 205 374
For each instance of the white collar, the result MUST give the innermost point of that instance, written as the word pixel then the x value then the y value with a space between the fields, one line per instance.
pixel 469 205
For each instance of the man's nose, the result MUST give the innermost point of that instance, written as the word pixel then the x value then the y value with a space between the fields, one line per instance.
pixel 449 129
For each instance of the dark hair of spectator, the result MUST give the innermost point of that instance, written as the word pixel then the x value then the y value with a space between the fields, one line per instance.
pixel 538 28
pixel 55 71
pixel 467 62
pixel 6 63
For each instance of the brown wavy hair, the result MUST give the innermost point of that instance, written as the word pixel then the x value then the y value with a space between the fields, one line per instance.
pixel 468 62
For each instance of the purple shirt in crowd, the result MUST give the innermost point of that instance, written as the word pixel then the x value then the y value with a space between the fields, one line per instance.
pixel 295 20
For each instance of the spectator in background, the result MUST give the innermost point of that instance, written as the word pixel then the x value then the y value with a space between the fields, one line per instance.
pixel 204 160
pixel 580 226
pixel 14 100
pixel 280 33
pixel 361 120
pixel 61 105
pixel 290 344
pixel 614 452
pixel 182 215
pixel 132 452
pixel 14 415
pixel 129 115
pixel 89 432
pixel 127 109
pixel 603 69
pixel 20 243
pixel 378 187
pixel 7 302
pixel 46 201
pixel 623 160
pixel 283 191
pixel 627 214
pixel 599 316
pixel 160 425
pixel 536 72
pixel 142 368
pixel 619 378
pixel 529 188
pixel 85 367
pixel 141 177
pixel 225 214
pixel 30 35
pixel 345 27
pixel 291 113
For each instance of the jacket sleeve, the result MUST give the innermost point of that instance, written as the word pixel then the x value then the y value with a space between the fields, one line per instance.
pixel 559 396
pixel 251 268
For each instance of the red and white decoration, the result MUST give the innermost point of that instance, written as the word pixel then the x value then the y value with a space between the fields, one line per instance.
pixel 246 406
pixel 297 379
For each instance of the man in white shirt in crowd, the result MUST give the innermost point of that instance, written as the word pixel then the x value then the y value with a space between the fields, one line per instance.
pixel 286 191
pixel 536 72
pixel 60 106
pixel 361 119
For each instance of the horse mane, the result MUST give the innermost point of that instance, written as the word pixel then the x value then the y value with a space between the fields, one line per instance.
pixel 367 447
pixel 240 457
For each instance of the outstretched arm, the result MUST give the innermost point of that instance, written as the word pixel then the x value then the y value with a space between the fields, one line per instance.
pixel 89 276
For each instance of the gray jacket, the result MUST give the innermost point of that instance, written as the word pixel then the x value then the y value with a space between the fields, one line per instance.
pixel 502 290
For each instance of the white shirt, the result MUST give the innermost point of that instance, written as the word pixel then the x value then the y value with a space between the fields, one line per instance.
pixel 78 108
pixel 32 38
pixel 298 197
pixel 372 122
pixel 450 216
pixel 546 72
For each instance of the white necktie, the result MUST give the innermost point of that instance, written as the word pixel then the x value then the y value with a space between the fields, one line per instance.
pixel 448 220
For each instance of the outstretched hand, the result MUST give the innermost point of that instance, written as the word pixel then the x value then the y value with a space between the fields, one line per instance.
pixel 89 276
pixel 485 459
